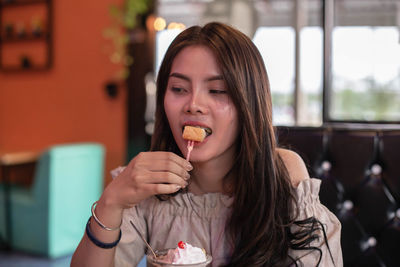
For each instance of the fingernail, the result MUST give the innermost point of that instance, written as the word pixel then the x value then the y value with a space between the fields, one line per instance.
pixel 187 176
pixel 178 187
pixel 189 166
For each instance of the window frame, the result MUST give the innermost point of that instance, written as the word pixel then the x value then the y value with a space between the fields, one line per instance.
pixel 328 16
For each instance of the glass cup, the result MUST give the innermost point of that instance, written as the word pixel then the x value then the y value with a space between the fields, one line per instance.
pixel 152 262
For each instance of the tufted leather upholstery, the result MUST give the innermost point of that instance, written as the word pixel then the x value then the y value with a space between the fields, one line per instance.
pixel 360 173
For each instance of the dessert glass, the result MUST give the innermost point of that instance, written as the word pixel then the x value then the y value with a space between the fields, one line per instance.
pixel 152 262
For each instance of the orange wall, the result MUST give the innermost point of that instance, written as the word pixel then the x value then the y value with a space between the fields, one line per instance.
pixel 68 102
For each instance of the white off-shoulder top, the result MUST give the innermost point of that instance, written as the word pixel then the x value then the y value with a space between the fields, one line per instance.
pixel 200 221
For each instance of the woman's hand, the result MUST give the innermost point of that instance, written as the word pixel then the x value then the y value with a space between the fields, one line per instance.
pixel 148 174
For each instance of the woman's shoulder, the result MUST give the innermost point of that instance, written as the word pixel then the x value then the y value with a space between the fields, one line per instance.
pixel 295 166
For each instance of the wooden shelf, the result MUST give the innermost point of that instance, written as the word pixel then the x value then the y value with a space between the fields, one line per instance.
pixel 21 69
pixel 27 38
pixel 20 2
pixel 7 42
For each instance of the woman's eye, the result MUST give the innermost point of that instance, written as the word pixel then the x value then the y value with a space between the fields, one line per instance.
pixel 215 91
pixel 177 89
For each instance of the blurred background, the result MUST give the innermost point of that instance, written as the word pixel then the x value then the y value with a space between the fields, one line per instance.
pixel 77 80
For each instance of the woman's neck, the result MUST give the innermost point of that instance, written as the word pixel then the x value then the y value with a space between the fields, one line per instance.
pixel 211 176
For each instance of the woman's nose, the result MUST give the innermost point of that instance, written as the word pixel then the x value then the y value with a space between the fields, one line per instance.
pixel 196 104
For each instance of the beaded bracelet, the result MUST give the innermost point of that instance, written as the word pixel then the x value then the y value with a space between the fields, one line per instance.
pixel 100 223
pixel 98 242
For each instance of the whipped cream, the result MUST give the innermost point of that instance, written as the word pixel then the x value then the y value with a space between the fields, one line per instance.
pixel 186 254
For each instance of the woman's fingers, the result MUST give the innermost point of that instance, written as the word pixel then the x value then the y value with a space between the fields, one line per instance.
pixel 161 189
pixel 167 166
pixel 163 162
pixel 149 173
pixel 165 178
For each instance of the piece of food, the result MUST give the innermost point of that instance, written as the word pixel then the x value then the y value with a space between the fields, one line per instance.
pixel 194 133
pixel 184 254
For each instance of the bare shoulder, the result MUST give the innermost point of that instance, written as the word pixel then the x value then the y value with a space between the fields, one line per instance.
pixel 295 166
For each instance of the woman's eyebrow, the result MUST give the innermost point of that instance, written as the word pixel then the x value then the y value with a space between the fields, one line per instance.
pixel 180 76
pixel 186 78
pixel 215 78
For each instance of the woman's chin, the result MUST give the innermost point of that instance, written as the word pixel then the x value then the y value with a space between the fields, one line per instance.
pixel 198 158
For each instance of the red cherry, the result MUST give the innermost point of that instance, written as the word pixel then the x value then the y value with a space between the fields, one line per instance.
pixel 181 244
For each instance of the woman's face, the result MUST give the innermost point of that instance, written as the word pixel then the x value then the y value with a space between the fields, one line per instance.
pixel 197 95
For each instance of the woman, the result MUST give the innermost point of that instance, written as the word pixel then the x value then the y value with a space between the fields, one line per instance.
pixel 247 202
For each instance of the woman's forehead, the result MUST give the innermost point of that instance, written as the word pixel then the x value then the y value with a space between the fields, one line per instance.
pixel 196 58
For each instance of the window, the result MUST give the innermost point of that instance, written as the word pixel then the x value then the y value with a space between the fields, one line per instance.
pixel 366 74
pixel 280 68
pixel 354 76
pixel 163 40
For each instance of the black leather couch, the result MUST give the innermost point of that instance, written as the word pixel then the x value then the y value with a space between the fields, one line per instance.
pixel 360 173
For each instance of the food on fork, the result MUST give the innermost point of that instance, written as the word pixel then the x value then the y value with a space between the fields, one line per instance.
pixel 193 133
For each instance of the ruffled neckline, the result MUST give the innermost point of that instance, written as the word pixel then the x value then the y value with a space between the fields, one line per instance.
pixel 306 189
pixel 204 201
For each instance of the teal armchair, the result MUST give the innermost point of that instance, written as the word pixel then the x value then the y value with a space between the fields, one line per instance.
pixel 49 218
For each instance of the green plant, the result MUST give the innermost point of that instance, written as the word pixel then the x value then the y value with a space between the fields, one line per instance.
pixel 124 20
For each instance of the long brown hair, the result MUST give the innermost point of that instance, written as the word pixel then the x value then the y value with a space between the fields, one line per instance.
pixel 263 196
